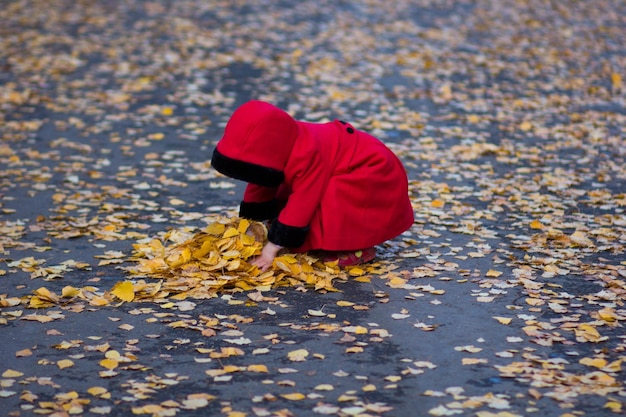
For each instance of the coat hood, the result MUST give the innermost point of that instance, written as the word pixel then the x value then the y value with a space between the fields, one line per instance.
pixel 256 145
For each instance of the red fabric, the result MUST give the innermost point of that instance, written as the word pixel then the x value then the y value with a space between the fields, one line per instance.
pixel 345 184
pixel 259 133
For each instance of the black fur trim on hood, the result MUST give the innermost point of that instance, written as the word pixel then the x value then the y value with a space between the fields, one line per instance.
pixel 245 171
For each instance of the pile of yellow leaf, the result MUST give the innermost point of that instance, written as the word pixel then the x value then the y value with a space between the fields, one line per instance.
pixel 202 265
pixel 218 259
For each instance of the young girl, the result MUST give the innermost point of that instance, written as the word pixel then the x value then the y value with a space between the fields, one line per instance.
pixel 325 186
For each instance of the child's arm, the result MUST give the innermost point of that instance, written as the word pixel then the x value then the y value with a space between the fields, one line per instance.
pixel 292 225
pixel 265 259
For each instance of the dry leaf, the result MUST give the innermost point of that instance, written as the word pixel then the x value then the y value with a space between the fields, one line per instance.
pixel 295 396
pixel 124 291
pixel 65 363
pixel 298 355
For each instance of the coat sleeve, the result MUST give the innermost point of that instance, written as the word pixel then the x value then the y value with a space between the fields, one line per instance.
pixel 259 203
pixel 307 188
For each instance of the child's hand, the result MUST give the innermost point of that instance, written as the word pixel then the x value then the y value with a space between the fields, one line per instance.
pixel 265 259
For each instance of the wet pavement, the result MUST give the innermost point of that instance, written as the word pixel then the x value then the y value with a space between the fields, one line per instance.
pixel 506 298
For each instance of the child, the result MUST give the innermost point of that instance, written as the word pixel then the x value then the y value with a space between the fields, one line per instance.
pixel 325 186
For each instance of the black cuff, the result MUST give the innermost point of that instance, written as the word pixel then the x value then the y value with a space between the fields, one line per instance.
pixel 287 236
pixel 266 210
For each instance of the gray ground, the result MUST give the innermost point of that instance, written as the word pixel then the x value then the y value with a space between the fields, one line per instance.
pixel 508 293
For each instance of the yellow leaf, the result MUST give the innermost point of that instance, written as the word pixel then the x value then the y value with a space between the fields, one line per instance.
pixel 10 373
pixel 534 393
pixel 152 266
pixel 445 92
pixel 503 320
pixel 597 362
pixel 257 368
pixel 99 301
pixel 23 353
pixel 226 352
pixel 580 238
pixel 243 226
pixel 167 111
pixel 356 271
pixel 493 273
pixel 525 126
pixel 599 378
pixel 342 303
pixel 179 258
pixel 153 409
pixel 67 396
pixel 46 294
pixel 231 254
pixel 214 372
pixel 157 136
pixel 298 355
pixel 215 229
pixel 295 396
pixel 369 388
pixel 588 333
pixel 344 398
pixel 201 395
pixel 124 291
pixel 65 363
pixel 36 302
pixel 473 118
pixel 536 224
pixel 69 291
pixel 354 349
pixel 231 368
pixel 614 406
pixel 396 282
pixel 112 354
pixel 615 366
pixel 9 302
pixel 607 314
pixel 28 396
pixel 437 203
pixel 177 202
pixel 360 330
pixel 324 387
pixel 109 363
pixel 616 80
pixel 230 232
pixel 534 301
pixel 96 391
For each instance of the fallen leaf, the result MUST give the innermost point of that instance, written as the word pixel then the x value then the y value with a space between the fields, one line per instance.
pixel 298 355
pixel 124 291
pixel 65 363
pixel 295 396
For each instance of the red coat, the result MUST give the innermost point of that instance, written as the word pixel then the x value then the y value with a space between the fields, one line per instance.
pixel 327 186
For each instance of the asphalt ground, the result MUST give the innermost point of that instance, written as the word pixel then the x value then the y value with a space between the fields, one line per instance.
pixel 506 298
